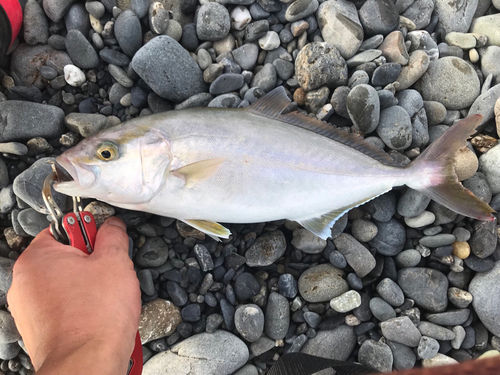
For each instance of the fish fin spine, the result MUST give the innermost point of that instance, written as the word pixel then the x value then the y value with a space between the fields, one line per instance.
pixel 436 177
pixel 211 228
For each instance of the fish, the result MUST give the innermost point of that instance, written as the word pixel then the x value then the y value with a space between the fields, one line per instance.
pixel 206 166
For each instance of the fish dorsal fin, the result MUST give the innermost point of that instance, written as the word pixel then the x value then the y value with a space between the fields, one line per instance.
pixel 322 225
pixel 213 229
pixel 273 104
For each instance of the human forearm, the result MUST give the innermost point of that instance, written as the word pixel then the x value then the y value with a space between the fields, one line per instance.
pixel 90 357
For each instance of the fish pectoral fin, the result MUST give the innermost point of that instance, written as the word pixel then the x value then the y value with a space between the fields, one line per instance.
pixel 198 171
pixel 321 226
pixel 213 229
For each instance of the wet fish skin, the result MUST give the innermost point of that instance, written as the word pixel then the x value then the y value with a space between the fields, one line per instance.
pixel 209 165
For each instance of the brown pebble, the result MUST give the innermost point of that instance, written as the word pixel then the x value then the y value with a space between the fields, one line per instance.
pixel 466 163
pixel 461 249
pixel 483 143
pixel 299 96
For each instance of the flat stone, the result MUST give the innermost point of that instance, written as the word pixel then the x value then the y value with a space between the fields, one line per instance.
pixel 401 330
pixel 161 73
pixel 347 301
pixel 307 242
pixel 450 317
pixel 356 255
pixel 335 344
pixel 340 26
pixel 381 309
pixel 418 64
pixel 220 352
pixel 427 287
pixel 454 16
pixel 267 249
pixel 249 322
pixel 484 289
pixel 277 317
pixel 450 81
pixel 363 106
pixel 322 283
pixel 439 360
pixel 489 26
pixel 435 331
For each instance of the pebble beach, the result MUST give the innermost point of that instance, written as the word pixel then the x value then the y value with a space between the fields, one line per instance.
pixel 402 282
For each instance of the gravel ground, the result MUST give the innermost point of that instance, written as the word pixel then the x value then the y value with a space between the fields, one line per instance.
pixel 402 282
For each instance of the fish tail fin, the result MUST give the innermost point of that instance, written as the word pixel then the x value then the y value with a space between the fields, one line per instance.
pixel 434 174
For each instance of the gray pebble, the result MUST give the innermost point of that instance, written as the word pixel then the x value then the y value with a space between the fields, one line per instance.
pixel 450 317
pixel 363 230
pixel 363 106
pixel 9 351
pixel 382 208
pixel 128 33
pixel 404 357
pixel 36 25
pixel 390 292
pixel 378 17
pixel 146 281
pixel 28 186
pixel 8 330
pixel 450 81
pixel 437 240
pixel 32 222
pixel 56 9
pixel 485 238
pixel 459 338
pixel 390 238
pixel 226 83
pixel 246 55
pixel 95 8
pixel 249 322
pixel 401 330
pixel 85 124
pixel 266 78
pixel 320 64
pixel 336 343
pixel 277 317
pixel 427 347
pixel 331 16
pixel 114 57
pixel 459 298
pixel 140 7
pixel 427 287
pixel 301 9
pixel 484 289
pixel 357 256
pixel 77 18
pixel 266 249
pixel 81 51
pixel 120 75
pixel 376 355
pixel 153 253
pixel 331 285
pixel 213 22
pixel 408 258
pixel 395 128
pixel 288 286
pixel 157 62
pixel 337 259
pixel 435 331
pixel 381 309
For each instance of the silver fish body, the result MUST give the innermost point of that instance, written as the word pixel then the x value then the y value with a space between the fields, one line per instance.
pixel 210 165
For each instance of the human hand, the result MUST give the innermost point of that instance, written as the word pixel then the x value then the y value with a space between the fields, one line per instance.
pixel 65 301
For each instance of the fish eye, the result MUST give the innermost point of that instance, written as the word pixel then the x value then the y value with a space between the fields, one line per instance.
pixel 107 151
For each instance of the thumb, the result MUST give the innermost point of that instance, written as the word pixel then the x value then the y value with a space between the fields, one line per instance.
pixel 112 238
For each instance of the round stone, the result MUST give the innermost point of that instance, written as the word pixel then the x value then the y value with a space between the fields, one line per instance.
pixel 427 347
pixel 321 283
pixel 395 128
pixel 363 106
pixel 153 254
pixel 450 81
pixel 390 292
pixel 376 355
pixel 128 32
pixel 8 330
pixel 381 309
pixel 401 330
pixel 426 286
pixel 461 249
pixel 266 249
pixel 249 322
pixel 408 258
pixel 363 230
pixel 74 76
pixel 213 22
pixel 307 241
pixel 240 17
pixel 320 64
pixel 269 41
pixel 346 302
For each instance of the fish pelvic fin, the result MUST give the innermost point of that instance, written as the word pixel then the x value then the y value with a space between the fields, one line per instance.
pixel 322 225
pixel 213 229
pixel 436 177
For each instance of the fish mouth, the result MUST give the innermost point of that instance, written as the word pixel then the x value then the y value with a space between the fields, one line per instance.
pixel 71 176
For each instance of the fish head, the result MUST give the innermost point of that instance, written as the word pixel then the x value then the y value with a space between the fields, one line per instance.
pixel 121 165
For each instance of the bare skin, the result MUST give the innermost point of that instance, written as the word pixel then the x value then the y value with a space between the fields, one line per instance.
pixel 77 313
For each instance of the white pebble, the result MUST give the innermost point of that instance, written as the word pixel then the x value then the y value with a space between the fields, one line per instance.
pixel 96 24
pixel 419 221
pixel 439 360
pixel 74 75
pixel 240 17
pixel 270 41
pixel 473 56
pixel 346 302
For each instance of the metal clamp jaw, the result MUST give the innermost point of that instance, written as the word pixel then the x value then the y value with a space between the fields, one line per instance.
pixel 77 228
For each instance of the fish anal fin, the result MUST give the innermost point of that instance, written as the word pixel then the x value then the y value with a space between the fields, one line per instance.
pixel 213 229
pixel 273 104
pixel 198 171
pixel 321 226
